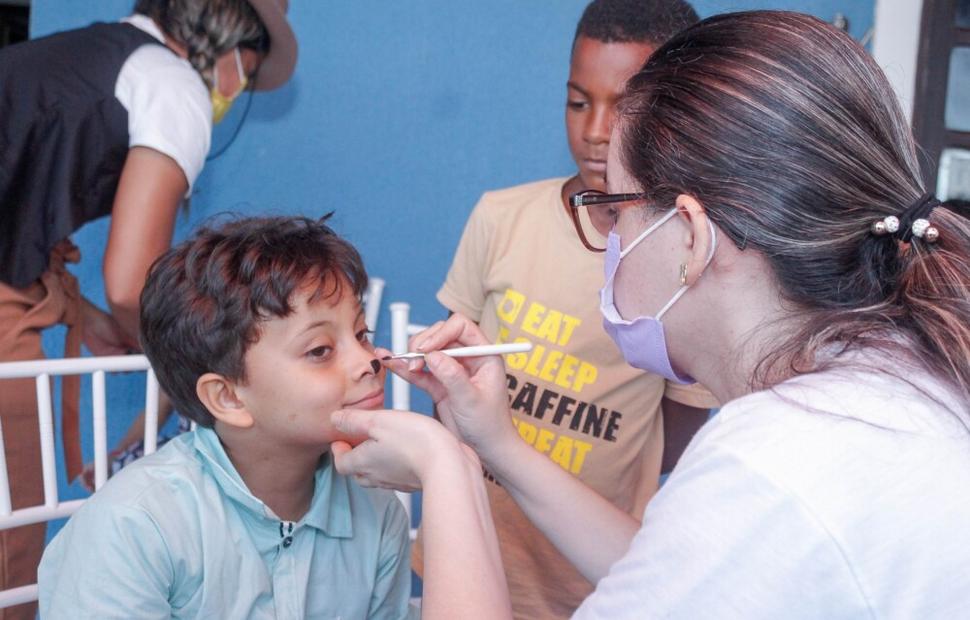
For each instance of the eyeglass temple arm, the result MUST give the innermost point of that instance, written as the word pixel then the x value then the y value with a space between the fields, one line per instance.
pixel 583 200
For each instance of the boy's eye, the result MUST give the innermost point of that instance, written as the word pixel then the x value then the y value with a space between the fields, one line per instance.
pixel 573 104
pixel 318 352
pixel 363 334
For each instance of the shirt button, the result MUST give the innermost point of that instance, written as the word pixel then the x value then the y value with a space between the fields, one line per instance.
pixel 287 542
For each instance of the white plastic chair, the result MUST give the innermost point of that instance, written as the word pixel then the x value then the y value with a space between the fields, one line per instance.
pixel 372 303
pixel 401 330
pixel 42 371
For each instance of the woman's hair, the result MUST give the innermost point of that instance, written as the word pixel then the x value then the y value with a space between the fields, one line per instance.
pixel 207 28
pixel 788 133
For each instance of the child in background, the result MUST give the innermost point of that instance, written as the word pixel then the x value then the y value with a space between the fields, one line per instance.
pixel 255 329
pixel 522 272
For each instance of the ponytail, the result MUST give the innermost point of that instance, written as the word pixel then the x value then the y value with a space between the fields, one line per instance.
pixel 934 295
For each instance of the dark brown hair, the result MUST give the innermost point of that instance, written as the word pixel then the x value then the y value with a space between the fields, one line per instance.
pixel 788 133
pixel 204 299
pixel 634 21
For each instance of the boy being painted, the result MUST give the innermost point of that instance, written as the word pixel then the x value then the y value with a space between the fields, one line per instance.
pixel 255 329
pixel 522 271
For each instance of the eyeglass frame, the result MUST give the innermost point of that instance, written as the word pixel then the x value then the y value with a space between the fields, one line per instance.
pixel 589 197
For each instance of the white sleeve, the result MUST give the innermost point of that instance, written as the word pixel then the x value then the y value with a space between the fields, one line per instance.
pixel 720 540
pixel 168 107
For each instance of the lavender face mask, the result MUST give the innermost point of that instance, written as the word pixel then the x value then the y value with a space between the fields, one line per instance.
pixel 641 340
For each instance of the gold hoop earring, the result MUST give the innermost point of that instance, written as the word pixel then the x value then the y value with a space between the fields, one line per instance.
pixel 683 274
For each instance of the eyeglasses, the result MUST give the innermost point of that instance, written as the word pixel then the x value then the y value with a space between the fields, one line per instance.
pixel 595 204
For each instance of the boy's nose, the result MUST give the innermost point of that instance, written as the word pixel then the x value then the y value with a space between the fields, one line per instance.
pixel 599 125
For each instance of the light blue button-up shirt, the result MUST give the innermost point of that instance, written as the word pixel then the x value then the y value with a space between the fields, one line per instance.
pixel 178 535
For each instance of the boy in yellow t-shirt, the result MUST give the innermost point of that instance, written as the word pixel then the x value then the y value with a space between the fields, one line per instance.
pixel 522 271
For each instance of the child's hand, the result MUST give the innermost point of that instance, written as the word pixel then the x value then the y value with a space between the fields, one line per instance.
pixel 394 450
pixel 470 392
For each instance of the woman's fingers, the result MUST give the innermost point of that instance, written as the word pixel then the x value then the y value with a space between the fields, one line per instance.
pixel 453 377
pixel 344 458
pixel 355 425
pixel 355 461
pixel 458 330
pixel 340 448
pixel 418 378
pixel 395 451
pixel 416 342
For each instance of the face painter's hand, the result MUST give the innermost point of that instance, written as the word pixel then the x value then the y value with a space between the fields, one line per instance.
pixel 396 449
pixel 469 392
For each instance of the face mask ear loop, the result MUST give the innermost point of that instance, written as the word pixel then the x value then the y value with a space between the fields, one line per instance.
pixel 680 292
pixel 710 255
pixel 652 228
pixel 239 67
pixel 215 78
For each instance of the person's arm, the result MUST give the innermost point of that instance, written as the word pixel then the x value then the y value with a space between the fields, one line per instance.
pixel 463 575
pixel 150 190
pixel 471 399
pixel 102 334
pixel 563 508
pixel 460 544
pixel 109 561
pixel 146 203
pixel 681 423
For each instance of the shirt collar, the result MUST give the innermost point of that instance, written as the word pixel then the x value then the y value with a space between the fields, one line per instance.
pixel 145 24
pixel 330 509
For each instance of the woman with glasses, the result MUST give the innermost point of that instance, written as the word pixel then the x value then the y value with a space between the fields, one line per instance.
pixel 112 119
pixel 781 248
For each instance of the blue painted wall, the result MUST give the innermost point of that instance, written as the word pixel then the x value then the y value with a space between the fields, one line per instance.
pixel 399 116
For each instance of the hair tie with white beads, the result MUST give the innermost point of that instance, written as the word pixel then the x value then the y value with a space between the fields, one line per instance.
pixel 912 222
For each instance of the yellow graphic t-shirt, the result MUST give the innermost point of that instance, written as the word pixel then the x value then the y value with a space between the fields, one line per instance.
pixel 522 273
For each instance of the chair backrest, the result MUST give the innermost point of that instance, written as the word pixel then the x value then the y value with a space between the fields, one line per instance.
pixel 372 303
pixel 401 330
pixel 52 508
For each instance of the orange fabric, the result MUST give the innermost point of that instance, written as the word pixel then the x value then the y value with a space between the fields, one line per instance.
pixel 23 314
pixel 64 299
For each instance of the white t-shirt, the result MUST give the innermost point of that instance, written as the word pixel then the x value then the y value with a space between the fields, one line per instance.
pixel 843 494
pixel 168 105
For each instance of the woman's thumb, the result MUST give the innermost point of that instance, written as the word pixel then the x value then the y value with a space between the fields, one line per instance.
pixel 354 424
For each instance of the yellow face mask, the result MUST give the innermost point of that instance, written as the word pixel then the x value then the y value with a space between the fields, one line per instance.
pixel 221 103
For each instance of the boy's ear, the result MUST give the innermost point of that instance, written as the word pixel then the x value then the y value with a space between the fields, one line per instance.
pixel 218 394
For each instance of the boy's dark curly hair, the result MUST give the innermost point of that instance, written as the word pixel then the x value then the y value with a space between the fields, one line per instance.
pixel 204 299
pixel 635 21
